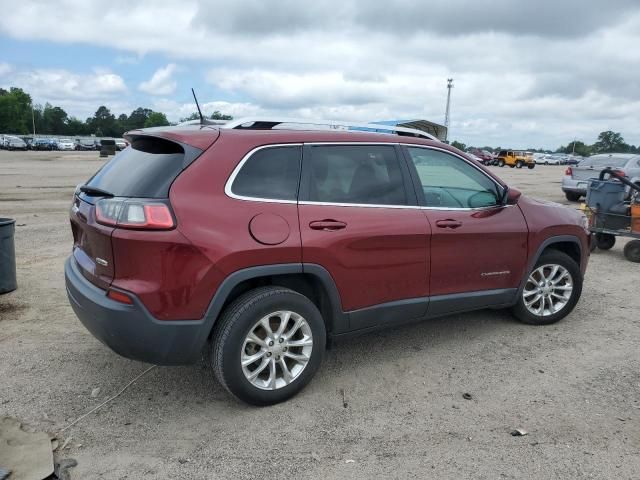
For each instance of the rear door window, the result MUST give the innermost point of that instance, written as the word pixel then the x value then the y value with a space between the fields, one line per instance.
pixel 355 174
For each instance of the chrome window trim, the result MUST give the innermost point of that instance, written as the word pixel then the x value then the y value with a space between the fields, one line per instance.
pixel 228 186
pixel 236 170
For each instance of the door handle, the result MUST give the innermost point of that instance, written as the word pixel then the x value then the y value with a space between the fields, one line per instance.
pixel 327 225
pixel 448 223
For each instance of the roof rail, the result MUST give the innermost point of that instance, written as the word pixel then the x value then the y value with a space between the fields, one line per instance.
pixel 206 121
pixel 266 123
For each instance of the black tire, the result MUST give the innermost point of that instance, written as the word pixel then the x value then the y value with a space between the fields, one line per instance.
pixel 518 164
pixel 632 251
pixel 552 257
pixel 572 196
pixel 235 324
pixel 501 163
pixel 592 242
pixel 605 241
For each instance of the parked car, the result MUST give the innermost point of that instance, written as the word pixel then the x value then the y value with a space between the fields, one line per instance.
pixel 10 142
pixel 83 144
pixel 550 160
pixel 44 144
pixel 66 144
pixel 257 247
pixel 121 143
pixel 486 158
pixel 576 178
pixel 515 158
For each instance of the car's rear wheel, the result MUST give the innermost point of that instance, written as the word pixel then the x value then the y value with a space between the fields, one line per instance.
pixel 551 290
pixel 605 241
pixel 501 163
pixel 531 166
pixel 518 164
pixel 632 251
pixel 267 345
pixel 572 196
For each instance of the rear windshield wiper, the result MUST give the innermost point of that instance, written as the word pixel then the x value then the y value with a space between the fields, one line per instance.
pixel 95 192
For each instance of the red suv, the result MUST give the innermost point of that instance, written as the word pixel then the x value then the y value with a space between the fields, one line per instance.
pixel 258 245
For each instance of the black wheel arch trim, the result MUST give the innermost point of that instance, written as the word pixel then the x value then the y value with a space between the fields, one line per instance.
pixel 337 322
pixel 543 246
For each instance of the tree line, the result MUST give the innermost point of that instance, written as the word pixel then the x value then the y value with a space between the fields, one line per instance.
pixel 19 115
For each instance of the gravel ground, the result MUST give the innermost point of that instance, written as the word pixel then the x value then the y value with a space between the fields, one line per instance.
pixel 574 386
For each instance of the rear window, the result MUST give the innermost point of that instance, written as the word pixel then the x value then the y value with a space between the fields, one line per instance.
pixel 604 161
pixel 146 170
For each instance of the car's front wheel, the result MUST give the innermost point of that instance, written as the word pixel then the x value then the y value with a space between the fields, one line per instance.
pixel 267 345
pixel 551 290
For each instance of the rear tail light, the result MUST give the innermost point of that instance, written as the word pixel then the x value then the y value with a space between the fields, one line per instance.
pixel 568 171
pixel 134 213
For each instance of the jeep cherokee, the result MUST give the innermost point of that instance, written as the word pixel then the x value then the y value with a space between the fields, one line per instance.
pixel 257 245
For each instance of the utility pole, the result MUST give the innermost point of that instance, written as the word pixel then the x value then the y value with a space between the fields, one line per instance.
pixel 446 115
pixel 574 147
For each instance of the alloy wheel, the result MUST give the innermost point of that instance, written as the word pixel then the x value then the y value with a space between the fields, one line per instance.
pixel 548 290
pixel 276 350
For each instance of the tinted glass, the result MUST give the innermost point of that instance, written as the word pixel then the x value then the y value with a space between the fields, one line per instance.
pixel 604 161
pixel 450 182
pixel 271 173
pixel 362 174
pixel 146 170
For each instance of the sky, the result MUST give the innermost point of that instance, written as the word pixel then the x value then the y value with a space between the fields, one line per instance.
pixel 526 73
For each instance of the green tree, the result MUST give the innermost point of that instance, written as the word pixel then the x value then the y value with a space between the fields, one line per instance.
pixel 104 122
pixel 138 118
pixel 156 119
pixel 577 147
pixel 609 142
pixel 54 120
pixel 217 115
pixel 458 145
pixel 15 111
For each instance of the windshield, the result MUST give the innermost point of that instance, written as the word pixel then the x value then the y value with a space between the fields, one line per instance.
pixel 604 161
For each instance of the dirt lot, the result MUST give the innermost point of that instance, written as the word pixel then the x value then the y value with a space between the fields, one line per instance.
pixel 574 386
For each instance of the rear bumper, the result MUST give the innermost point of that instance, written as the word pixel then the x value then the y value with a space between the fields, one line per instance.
pixel 130 330
pixel 574 186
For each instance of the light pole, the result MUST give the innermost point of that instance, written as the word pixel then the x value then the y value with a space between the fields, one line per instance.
pixel 447 111
pixel 33 120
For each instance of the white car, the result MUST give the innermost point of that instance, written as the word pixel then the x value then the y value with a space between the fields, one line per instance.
pixel 549 160
pixel 66 144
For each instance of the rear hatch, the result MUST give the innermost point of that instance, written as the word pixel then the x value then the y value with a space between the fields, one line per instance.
pixel 591 167
pixel 137 178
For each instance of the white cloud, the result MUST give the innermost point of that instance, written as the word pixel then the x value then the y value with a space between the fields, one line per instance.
pixel 526 73
pixel 5 69
pixel 162 81
pixel 80 94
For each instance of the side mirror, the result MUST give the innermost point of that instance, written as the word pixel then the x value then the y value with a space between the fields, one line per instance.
pixel 511 196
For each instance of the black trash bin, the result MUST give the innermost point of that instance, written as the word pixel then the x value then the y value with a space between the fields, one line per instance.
pixel 7 256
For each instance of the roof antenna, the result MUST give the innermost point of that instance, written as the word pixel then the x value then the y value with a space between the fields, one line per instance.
pixel 202 120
